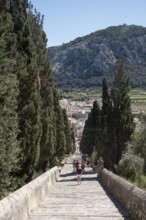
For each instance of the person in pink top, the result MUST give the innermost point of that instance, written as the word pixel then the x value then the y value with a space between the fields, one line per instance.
pixel 79 174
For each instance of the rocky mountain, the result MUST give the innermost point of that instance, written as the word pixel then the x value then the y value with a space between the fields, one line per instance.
pixel 83 62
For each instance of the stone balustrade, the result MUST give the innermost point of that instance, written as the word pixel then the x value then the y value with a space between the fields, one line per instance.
pixel 131 197
pixel 19 204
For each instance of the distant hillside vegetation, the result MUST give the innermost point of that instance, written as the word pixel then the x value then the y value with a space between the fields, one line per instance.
pixel 83 62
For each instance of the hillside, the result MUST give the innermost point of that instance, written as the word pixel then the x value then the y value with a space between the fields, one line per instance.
pixel 83 62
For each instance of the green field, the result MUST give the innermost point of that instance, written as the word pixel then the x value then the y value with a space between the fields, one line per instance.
pixel 79 95
pixel 138 97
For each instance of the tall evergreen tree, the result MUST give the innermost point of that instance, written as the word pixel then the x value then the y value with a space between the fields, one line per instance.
pixel 9 146
pixel 29 96
pixel 60 135
pixel 46 85
pixel 85 147
pixel 122 125
pixel 67 131
pixel 89 139
pixel 104 124
pixel 48 121
pixel 73 140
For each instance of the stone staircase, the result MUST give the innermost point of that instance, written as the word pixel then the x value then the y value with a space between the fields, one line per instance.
pixel 88 201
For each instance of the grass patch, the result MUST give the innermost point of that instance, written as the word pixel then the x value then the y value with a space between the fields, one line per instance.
pixel 141 183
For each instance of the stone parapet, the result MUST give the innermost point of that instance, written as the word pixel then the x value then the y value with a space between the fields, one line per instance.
pixel 131 197
pixel 19 204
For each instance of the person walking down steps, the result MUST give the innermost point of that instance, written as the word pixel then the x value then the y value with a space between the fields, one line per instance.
pixel 79 174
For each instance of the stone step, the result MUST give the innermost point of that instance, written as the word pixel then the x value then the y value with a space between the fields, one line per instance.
pixel 69 201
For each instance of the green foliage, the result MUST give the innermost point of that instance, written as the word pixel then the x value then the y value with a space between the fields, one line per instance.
pixel 94 157
pixel 68 135
pixel 59 125
pixel 121 124
pixel 108 129
pixel 29 95
pixel 142 182
pixel 32 127
pixel 105 122
pixel 130 166
pixel 46 88
pixel 138 145
pixel 89 139
pixel 9 145
pixel 73 141
pixel 138 148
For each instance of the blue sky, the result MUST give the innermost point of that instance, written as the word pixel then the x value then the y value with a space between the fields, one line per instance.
pixel 66 20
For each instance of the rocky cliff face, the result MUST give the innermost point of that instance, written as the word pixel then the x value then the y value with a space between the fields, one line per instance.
pixel 86 60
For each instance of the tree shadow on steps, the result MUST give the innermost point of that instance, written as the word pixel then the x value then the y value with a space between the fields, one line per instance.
pixel 68 174
pixel 74 173
pixel 84 178
pixel 89 172
pixel 67 180
pixel 75 179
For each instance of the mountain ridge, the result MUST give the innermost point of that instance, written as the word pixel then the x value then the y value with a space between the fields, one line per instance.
pixel 83 62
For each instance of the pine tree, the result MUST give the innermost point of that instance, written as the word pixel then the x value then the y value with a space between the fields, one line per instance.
pixel 121 125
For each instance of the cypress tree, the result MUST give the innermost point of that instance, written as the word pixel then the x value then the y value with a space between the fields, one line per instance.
pixel 9 146
pixel 29 95
pixel 85 146
pixel 121 125
pixel 67 131
pixel 104 125
pixel 60 135
pixel 46 85
pixel 89 139
pixel 48 121
pixel 73 140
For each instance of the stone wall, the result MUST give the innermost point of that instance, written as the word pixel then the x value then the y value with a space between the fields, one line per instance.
pixel 132 198
pixel 19 205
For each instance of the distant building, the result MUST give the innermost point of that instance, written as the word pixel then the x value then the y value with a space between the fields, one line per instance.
pixel 136 112
pixel 87 108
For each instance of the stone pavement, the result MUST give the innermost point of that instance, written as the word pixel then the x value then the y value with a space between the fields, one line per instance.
pixel 88 201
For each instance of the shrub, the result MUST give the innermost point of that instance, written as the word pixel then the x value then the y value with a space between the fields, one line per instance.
pixel 130 166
